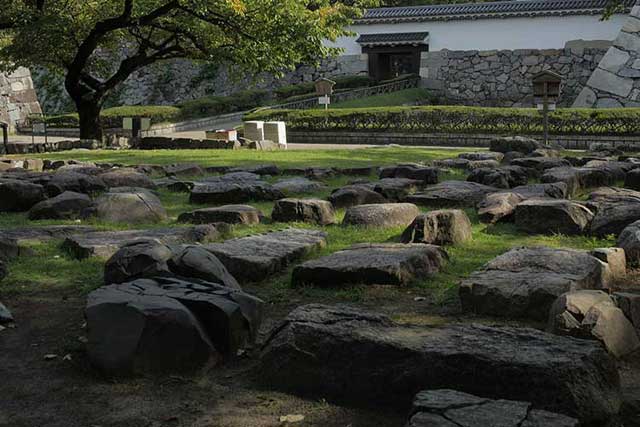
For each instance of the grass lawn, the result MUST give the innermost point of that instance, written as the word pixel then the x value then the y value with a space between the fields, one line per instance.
pixel 284 159
pixel 401 97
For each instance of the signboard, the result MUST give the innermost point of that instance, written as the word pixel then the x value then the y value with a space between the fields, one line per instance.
pixel 324 100
pixel 38 128
pixel 324 87
pixel 127 123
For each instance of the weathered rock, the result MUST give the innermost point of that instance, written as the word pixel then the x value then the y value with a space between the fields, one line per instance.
pixel 9 248
pixel 304 210
pixel 196 262
pixel 632 179
pixel 138 259
pixel 451 194
pixel 106 243
pixel 615 209
pixel 538 165
pixel 593 314
pixel 525 282
pixel 424 174
pixel 233 192
pixel 130 208
pixel 167 325
pixel 68 205
pixel 5 314
pixel 256 258
pixel 498 207
pixel 482 164
pixel 609 325
pixel 230 214
pixel 267 169
pixel 503 177
pixel 578 178
pixel 514 143
pixel 538 216
pixel 353 195
pixel 482 155
pixel 298 186
pixel 509 156
pixel 629 303
pixel 127 178
pixel 350 355
pixel 450 408
pixel 236 176
pixel 440 227
pixel 76 182
pixel 357 171
pixel 381 215
pixel 456 163
pixel 372 264
pixel 501 206
pixel 150 259
pixel 18 196
pixel 629 240
pixel 396 189
pixel 616 261
pixel 183 170
pixel 43 234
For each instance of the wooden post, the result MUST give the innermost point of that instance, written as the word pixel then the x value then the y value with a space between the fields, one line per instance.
pixel 5 137
pixel 545 114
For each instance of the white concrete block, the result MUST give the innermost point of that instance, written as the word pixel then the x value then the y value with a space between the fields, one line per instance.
pixel 254 130
pixel 276 132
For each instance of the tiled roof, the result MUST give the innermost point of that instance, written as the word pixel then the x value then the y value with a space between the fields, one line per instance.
pixel 498 9
pixel 392 39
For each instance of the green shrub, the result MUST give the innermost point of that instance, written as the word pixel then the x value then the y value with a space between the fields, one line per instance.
pixel 456 119
pixel 294 90
pixel 112 117
pixel 214 105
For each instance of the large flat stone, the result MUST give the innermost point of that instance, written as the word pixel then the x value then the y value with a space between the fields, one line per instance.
pixel 372 264
pixel 256 258
pixel 450 408
pixel 106 243
pixel 538 216
pixel 381 215
pixel 230 214
pixel 607 81
pixel 44 233
pixel 615 209
pixel 224 192
pixel 525 282
pixel 350 355
pixel 451 194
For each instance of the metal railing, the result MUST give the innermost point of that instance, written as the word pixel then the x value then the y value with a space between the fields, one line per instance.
pixel 305 104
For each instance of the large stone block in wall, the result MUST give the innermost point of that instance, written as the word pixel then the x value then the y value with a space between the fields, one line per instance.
pixel 18 98
pixel 612 83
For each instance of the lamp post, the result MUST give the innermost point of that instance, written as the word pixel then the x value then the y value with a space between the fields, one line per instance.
pixel 546 91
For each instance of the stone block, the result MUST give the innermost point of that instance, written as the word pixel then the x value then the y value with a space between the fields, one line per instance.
pixel 611 83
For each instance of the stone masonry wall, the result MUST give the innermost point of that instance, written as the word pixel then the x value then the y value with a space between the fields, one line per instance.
pixel 17 97
pixel 171 82
pixel 503 77
pixel 616 80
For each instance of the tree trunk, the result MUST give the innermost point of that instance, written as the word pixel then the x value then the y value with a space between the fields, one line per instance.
pixel 89 114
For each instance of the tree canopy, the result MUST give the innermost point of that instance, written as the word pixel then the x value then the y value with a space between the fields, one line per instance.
pixel 98 44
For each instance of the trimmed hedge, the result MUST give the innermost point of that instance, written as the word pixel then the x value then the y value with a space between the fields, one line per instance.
pixel 309 89
pixel 457 119
pixel 112 117
pixel 214 105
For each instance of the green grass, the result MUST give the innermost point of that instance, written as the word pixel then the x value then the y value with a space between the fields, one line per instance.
pixel 399 98
pixel 284 159
pixel 47 267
